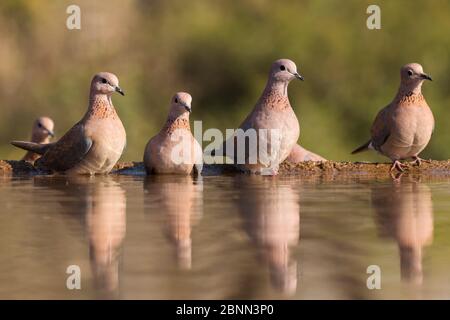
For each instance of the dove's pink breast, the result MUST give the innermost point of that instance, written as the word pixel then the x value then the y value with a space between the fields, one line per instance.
pixel 109 140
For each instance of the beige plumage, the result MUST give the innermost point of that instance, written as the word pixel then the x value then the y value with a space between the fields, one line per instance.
pixel 41 132
pixel 174 149
pixel 403 128
pixel 300 154
pixel 272 112
pixel 94 144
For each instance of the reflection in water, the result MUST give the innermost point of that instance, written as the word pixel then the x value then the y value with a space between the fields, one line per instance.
pixel 271 212
pixel 106 225
pixel 101 202
pixel 405 212
pixel 179 198
pixel 245 248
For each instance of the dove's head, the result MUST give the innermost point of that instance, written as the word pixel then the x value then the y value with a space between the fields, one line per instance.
pixel 181 104
pixel 105 83
pixel 284 70
pixel 412 76
pixel 42 130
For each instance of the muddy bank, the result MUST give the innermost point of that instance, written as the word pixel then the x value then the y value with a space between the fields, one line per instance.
pixel 362 168
pixel 306 169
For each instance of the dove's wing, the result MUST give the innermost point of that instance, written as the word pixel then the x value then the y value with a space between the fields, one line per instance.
pixel 380 129
pixel 67 151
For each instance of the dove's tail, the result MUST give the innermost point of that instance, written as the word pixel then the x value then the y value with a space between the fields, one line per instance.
pixel 31 146
pixel 364 147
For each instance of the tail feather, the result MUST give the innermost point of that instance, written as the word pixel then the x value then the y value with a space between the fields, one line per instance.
pixel 362 148
pixel 32 146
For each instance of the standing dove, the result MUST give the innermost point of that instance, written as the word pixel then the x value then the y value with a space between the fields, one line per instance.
pixel 174 149
pixel 403 128
pixel 95 143
pixel 41 132
pixel 273 122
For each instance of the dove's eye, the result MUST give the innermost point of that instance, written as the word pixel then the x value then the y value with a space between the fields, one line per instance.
pixel 104 80
pixel 410 73
pixel 176 100
pixel 39 125
pixel 282 68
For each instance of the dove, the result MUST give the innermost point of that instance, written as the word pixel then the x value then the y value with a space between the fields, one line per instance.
pixel 41 132
pixel 273 122
pixel 174 150
pixel 95 143
pixel 403 129
pixel 300 154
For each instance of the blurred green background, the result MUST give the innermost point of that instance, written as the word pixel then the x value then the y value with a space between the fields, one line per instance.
pixel 220 52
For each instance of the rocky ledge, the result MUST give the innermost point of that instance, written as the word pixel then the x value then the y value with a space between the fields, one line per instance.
pixel 327 168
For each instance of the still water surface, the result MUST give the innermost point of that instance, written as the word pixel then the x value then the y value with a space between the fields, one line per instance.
pixel 224 237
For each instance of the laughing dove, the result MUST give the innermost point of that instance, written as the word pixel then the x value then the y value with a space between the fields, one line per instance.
pixel 174 149
pixel 41 132
pixel 94 144
pixel 300 154
pixel 403 128
pixel 275 126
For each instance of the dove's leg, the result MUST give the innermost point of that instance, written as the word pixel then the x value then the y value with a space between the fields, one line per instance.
pixel 397 165
pixel 418 161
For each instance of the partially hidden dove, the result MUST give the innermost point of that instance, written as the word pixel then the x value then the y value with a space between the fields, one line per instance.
pixel 403 128
pixel 174 150
pixel 95 143
pixel 272 121
pixel 41 132
pixel 300 154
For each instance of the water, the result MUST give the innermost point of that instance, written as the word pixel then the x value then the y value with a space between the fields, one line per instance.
pixel 223 237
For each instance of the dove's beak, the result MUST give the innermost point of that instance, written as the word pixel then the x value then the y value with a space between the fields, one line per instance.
pixel 298 76
pixel 119 90
pixel 50 132
pixel 188 108
pixel 425 77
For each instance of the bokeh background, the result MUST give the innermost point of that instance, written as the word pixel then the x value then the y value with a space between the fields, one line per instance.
pixel 220 52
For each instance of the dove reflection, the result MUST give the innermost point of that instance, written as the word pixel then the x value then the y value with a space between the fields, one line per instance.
pixel 179 200
pixel 101 203
pixel 106 227
pixel 404 211
pixel 271 212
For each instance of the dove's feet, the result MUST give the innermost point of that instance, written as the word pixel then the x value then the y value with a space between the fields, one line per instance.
pixel 398 165
pixel 418 161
